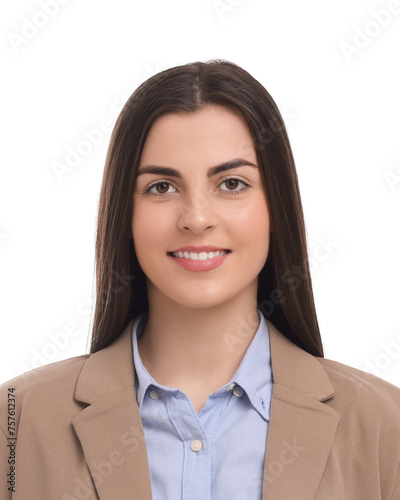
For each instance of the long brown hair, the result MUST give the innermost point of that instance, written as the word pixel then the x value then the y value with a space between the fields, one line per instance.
pixel 285 294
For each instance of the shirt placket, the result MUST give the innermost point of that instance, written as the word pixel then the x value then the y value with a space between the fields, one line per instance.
pixel 196 467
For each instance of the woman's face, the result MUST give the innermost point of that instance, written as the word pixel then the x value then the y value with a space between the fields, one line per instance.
pixel 190 205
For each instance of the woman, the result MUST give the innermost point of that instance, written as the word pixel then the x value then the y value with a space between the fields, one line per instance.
pixel 206 376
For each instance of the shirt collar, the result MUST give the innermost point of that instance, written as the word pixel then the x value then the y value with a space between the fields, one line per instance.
pixel 254 374
pixel 143 378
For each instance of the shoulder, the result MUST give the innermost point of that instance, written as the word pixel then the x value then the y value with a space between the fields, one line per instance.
pixel 374 400
pixel 53 374
pixel 352 378
pixel 51 385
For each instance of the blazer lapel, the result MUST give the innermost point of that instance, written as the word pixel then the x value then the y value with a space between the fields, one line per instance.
pixel 302 427
pixel 300 434
pixel 110 429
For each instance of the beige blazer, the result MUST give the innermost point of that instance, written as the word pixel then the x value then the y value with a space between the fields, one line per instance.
pixel 334 431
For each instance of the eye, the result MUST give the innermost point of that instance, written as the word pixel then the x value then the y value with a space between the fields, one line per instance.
pixel 163 184
pixel 233 182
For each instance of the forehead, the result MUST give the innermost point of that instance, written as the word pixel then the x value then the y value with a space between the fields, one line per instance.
pixel 210 134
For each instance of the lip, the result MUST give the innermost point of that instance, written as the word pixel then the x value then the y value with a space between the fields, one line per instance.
pixel 205 248
pixel 199 265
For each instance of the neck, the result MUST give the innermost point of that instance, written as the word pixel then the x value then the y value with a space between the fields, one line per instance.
pixel 186 347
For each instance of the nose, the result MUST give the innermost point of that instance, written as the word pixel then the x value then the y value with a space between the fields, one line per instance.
pixel 197 213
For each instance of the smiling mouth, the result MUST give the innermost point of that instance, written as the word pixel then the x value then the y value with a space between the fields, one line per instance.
pixel 198 255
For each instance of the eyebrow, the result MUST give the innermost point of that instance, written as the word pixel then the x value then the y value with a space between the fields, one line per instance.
pixel 228 165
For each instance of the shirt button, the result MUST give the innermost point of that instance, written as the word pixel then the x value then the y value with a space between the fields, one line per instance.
pixel 238 391
pixel 231 387
pixel 154 395
pixel 196 445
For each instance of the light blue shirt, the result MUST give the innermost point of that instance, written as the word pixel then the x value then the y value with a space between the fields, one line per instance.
pixel 218 453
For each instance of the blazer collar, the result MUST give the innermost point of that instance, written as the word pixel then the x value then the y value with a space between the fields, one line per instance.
pixel 300 435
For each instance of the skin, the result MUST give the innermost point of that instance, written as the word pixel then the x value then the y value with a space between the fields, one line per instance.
pixel 200 323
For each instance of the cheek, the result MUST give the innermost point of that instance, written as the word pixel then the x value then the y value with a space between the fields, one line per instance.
pixel 150 227
pixel 252 221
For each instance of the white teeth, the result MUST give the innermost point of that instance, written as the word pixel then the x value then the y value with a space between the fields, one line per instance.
pixel 199 256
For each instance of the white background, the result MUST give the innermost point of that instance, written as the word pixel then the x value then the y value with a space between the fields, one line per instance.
pixel 333 70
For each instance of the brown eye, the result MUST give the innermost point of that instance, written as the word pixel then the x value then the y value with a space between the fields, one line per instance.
pixel 232 183
pixel 164 187
pixel 161 188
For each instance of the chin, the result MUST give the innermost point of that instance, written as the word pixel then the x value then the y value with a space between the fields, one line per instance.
pixel 205 301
